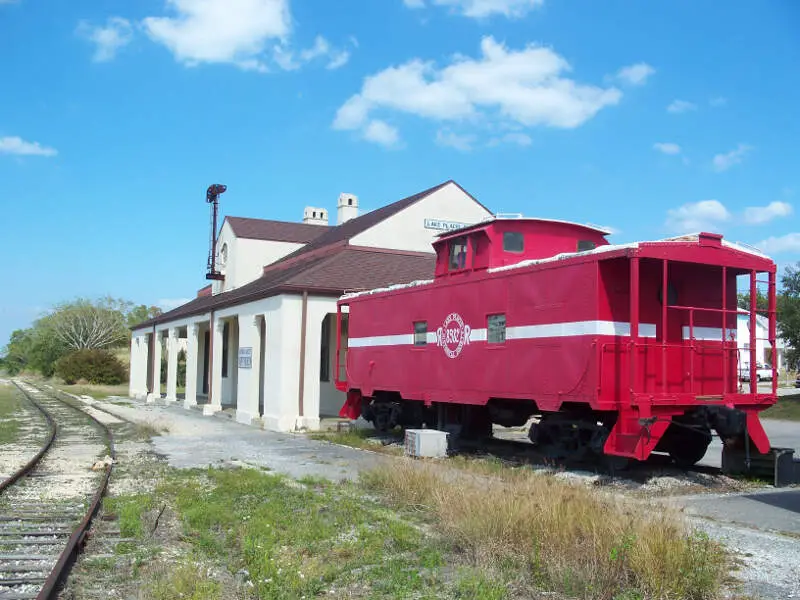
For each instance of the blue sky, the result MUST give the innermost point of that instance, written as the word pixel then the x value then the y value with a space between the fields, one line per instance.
pixel 653 118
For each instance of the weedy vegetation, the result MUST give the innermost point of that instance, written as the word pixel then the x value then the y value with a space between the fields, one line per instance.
pixel 551 535
pixel 418 530
pixel 10 407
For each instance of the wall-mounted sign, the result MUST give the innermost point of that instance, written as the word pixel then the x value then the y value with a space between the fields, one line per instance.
pixel 440 225
pixel 245 358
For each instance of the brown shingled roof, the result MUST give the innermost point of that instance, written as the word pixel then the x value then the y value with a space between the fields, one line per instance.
pixel 346 268
pixel 275 231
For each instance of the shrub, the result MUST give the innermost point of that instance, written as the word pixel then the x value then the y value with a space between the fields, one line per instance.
pixel 93 366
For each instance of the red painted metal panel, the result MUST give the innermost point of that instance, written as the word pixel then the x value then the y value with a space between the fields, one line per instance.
pixel 645 331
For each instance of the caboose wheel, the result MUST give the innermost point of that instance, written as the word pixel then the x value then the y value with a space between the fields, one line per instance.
pixel 690 446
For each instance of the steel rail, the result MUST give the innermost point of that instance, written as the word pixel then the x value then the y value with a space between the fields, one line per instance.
pixel 70 553
pixel 31 464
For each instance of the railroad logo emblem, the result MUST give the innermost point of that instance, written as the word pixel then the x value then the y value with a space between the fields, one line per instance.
pixel 453 335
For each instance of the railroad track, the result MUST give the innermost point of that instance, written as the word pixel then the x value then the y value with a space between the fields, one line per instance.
pixel 47 506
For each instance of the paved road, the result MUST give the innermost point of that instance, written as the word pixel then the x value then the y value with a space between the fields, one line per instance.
pixel 782 434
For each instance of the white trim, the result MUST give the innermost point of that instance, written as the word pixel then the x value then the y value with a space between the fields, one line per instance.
pixel 578 328
pixel 712 334
pixel 404 339
pixel 523 332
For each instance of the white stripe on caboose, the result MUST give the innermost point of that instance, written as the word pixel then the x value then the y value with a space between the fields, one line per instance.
pixel 522 332
pixel 713 334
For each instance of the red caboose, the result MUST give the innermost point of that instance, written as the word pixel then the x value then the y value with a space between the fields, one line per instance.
pixel 619 350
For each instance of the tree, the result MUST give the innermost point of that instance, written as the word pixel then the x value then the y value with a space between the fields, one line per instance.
pixel 70 326
pixel 789 312
pixel 82 325
pixel 762 302
pixel 141 313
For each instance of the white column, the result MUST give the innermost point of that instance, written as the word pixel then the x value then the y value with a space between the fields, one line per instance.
pixel 247 386
pixel 215 404
pixel 133 378
pixel 191 365
pixel 156 362
pixel 172 365
pixel 140 358
pixel 138 382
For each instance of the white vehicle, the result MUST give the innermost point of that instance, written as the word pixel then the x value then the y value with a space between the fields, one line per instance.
pixel 763 372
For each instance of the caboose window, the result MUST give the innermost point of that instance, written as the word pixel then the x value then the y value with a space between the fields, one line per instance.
pixel 513 241
pixel 584 245
pixel 420 333
pixel 496 329
pixel 458 253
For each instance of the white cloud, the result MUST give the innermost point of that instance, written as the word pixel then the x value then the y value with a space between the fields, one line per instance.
pixel 667 147
pixel 478 9
pixel 757 215
pixel 382 133
pixel 455 140
pixel 18 146
pixel 636 74
pixel 524 87
pixel 718 101
pixel 108 39
pixel 166 304
pixel 520 139
pixel 249 34
pixel 778 245
pixel 680 106
pixel 697 216
pixel 722 162
pixel 289 61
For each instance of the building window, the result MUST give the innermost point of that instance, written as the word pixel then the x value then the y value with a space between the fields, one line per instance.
pixel 585 245
pixel 225 332
pixel 325 351
pixel 513 241
pixel 496 329
pixel 458 253
pixel 420 333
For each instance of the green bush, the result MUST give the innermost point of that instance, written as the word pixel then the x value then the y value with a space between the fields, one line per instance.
pixel 93 366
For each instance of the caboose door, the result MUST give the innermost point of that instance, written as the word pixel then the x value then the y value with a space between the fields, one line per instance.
pixel 671 356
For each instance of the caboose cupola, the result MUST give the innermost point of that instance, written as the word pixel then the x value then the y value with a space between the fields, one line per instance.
pixel 503 241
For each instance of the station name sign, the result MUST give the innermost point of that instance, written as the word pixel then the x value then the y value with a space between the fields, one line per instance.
pixel 245 358
pixel 440 225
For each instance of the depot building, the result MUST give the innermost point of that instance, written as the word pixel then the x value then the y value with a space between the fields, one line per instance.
pixel 261 342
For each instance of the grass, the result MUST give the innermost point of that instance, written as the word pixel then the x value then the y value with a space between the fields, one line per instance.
pixel 787 408
pixel 420 530
pixel 9 406
pixel 546 534
pixel 255 534
pixel 363 438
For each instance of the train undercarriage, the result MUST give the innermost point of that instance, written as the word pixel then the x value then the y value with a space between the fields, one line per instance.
pixel 574 433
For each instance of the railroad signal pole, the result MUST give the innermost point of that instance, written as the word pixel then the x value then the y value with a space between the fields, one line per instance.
pixel 212 197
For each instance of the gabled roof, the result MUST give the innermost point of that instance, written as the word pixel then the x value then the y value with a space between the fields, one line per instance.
pixel 345 268
pixel 353 227
pixel 274 231
pixel 327 265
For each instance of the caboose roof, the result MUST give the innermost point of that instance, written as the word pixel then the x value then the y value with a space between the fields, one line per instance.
pixel 609 249
pixel 519 218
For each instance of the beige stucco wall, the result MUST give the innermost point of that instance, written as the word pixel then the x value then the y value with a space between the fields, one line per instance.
pixel 246 258
pixel 406 230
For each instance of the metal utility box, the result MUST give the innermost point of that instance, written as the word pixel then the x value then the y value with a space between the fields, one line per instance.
pixel 426 443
